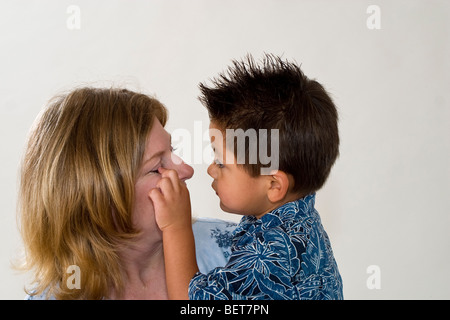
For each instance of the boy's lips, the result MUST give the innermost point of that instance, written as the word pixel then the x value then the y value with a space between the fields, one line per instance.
pixel 214 188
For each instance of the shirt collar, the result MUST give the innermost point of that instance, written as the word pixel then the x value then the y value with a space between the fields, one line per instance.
pixel 287 212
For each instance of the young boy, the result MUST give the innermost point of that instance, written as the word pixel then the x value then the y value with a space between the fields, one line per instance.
pixel 280 249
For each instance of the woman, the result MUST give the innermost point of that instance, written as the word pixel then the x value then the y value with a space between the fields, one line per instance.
pixel 91 160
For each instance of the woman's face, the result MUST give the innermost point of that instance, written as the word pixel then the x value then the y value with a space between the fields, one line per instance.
pixel 158 153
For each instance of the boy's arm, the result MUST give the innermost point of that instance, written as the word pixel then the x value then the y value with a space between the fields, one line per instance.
pixel 180 262
pixel 173 216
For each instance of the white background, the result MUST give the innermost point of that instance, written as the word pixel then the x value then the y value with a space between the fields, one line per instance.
pixel 387 201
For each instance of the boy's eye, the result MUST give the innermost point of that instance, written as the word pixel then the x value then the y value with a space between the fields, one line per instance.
pixel 220 165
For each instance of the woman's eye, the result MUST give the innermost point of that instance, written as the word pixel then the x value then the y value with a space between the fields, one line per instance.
pixel 154 171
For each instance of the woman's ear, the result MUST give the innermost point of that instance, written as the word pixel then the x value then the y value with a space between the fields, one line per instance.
pixel 279 186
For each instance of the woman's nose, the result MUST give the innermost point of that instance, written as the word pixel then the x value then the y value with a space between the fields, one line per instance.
pixel 184 170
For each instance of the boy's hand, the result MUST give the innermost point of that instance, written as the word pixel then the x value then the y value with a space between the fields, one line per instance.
pixel 171 201
pixel 173 216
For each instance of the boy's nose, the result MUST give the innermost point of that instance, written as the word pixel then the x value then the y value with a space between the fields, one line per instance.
pixel 211 171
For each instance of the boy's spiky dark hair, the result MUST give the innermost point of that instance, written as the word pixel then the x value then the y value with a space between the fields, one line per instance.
pixel 275 94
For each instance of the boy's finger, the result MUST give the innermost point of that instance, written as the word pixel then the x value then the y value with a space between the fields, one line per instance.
pixel 172 175
pixel 156 198
pixel 155 195
pixel 166 186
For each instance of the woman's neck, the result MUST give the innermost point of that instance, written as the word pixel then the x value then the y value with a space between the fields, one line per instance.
pixel 144 274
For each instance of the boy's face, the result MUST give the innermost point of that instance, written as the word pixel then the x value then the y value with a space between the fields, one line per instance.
pixel 238 192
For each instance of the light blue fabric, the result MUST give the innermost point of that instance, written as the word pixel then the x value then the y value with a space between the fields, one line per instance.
pixel 212 246
pixel 284 255
pixel 213 239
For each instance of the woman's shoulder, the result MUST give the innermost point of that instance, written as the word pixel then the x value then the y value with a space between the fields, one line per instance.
pixel 212 245
pixel 42 296
pixel 213 238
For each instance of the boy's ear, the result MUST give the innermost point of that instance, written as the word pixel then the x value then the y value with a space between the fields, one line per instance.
pixel 279 186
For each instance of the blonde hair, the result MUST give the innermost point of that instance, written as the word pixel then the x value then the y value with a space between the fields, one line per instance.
pixel 77 188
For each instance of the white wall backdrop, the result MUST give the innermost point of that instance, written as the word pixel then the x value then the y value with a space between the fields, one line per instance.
pixel 386 206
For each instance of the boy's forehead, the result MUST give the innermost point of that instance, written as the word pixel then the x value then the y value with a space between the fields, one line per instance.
pixel 218 142
pixel 215 134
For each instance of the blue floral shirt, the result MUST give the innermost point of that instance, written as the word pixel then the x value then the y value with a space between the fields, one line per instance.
pixel 284 255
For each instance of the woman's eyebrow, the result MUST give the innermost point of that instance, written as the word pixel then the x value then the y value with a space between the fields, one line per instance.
pixel 156 155
pixel 160 153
